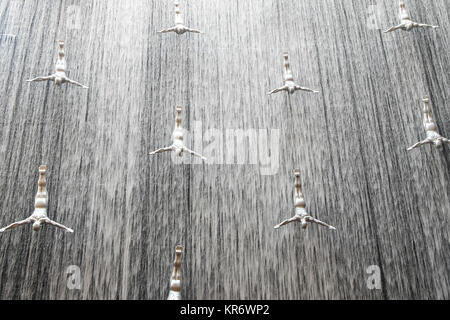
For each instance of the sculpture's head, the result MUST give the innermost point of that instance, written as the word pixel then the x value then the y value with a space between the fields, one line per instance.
pixel 409 25
pixel 304 223
pixel 402 5
pixel 179 29
pixel 291 89
pixel 36 226
pixel 439 145
pixel 58 80
pixel 179 152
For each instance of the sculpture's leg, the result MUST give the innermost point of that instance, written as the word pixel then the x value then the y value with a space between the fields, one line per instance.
pixel 278 90
pixel 76 83
pixel 56 224
pixel 161 150
pixel 16 224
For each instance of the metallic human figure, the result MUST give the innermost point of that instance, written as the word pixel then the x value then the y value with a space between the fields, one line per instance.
pixel 406 23
pixel 289 84
pixel 175 279
pixel 177 137
pixel 433 136
pixel 179 27
pixel 39 216
pixel 59 76
pixel 300 211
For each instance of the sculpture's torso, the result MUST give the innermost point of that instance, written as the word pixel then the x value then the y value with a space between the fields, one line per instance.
pixel 288 76
pixel 433 135
pixel 300 205
pixel 39 215
pixel 177 137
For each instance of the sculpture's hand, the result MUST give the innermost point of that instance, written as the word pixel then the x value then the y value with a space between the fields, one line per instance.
pixel 423 25
pixel 193 30
pixel 167 30
pixel 305 89
pixel 278 90
pixel 394 28
pixel 285 222
pixel 56 224
pixel 75 83
pixel 419 144
pixel 311 219
pixel 445 140
pixel 51 77
pixel 16 224
pixel 161 150
pixel 194 153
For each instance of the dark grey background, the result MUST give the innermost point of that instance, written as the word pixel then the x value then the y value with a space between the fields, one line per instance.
pixel 130 210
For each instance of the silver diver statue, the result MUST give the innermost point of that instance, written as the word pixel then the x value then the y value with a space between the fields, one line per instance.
pixel 433 136
pixel 175 279
pixel 39 216
pixel 177 137
pixel 289 84
pixel 59 76
pixel 300 211
pixel 179 27
pixel 406 23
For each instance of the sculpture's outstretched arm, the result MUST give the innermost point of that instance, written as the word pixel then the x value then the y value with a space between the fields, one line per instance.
pixel 419 144
pixel 305 89
pixel 51 77
pixel 56 224
pixel 287 221
pixel 161 150
pixel 311 219
pixel 278 90
pixel 445 140
pixel 192 30
pixel 76 83
pixel 423 25
pixel 16 224
pixel 167 30
pixel 394 28
pixel 194 153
